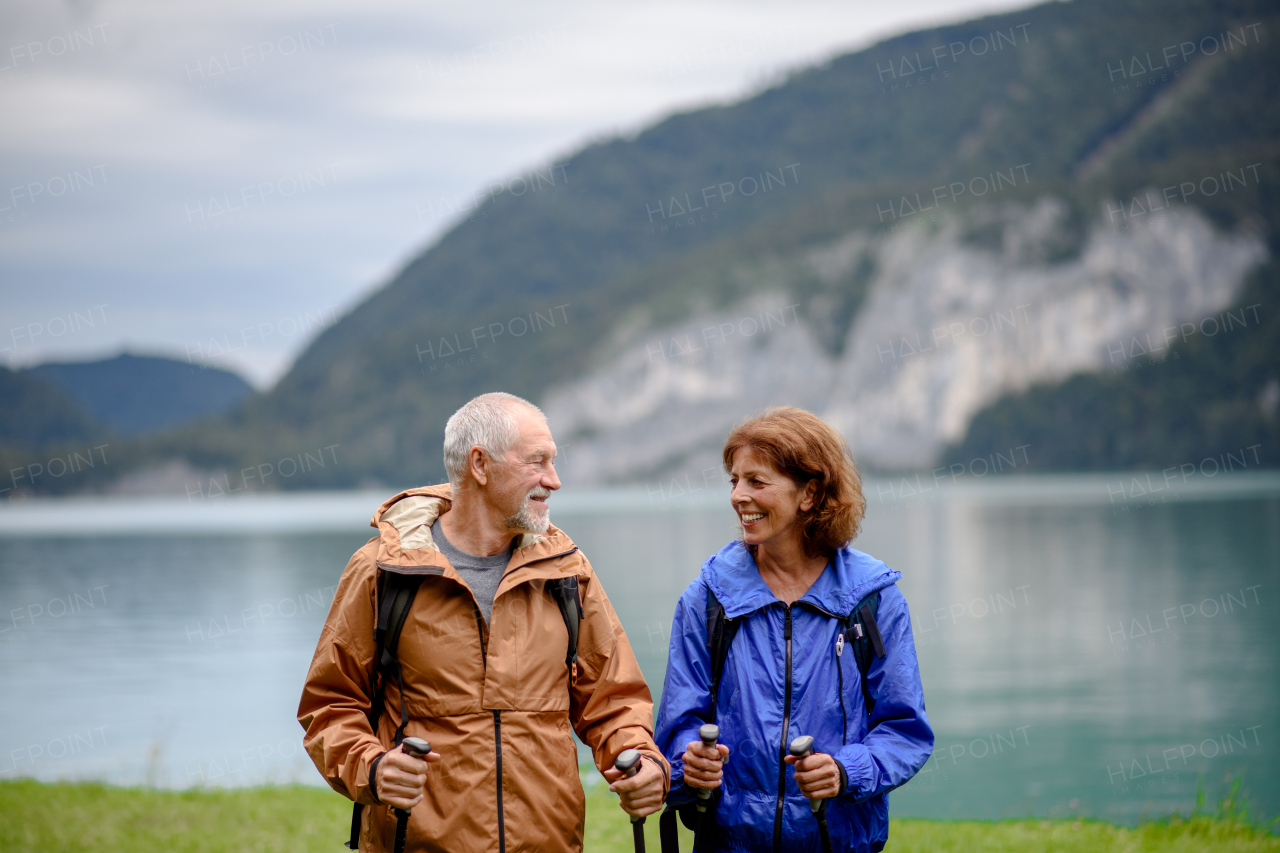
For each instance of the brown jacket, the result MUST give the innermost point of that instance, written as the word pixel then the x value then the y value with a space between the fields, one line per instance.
pixel 484 696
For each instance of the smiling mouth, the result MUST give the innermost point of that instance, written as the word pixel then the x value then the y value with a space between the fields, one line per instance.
pixel 751 517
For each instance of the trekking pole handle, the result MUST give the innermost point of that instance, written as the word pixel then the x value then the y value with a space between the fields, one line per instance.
pixel 710 734
pixel 418 748
pixel 415 746
pixel 802 747
pixel 628 763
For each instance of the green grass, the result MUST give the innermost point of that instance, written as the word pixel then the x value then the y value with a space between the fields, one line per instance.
pixel 74 817
pixel 70 817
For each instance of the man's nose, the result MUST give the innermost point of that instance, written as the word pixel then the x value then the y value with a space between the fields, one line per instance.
pixel 551 480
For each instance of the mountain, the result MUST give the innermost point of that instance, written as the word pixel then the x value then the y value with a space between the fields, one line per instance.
pixel 1079 176
pixel 37 413
pixel 135 395
pixel 41 433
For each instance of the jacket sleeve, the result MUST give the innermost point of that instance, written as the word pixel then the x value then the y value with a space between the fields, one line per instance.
pixel 686 690
pixel 609 703
pixel 336 699
pixel 900 739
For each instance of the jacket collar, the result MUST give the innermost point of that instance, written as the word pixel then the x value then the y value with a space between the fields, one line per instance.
pixel 404 527
pixel 849 577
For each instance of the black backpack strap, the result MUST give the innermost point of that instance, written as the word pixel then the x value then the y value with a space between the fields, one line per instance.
pixel 565 592
pixel 395 598
pixel 394 602
pixel 868 645
pixel 720 633
pixel 353 842
pixel 668 832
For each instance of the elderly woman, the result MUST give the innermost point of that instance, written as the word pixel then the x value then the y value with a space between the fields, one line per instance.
pixel 788 633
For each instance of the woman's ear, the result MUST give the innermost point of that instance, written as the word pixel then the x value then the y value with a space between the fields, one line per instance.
pixel 809 494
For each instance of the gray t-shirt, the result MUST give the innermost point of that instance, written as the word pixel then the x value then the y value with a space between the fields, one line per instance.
pixel 482 574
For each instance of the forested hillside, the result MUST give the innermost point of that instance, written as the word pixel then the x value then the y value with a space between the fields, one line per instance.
pixel 134 395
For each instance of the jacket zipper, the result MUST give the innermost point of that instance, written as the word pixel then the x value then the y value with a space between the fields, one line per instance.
pixel 782 749
pixel 497 739
pixel 497 715
pixel 497 742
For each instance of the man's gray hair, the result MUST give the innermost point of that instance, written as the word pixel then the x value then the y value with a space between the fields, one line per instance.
pixel 489 422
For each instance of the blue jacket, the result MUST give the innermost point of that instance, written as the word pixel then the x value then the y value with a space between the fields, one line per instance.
pixel 876 754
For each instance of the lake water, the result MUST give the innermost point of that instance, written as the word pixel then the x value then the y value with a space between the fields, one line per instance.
pixel 1086 646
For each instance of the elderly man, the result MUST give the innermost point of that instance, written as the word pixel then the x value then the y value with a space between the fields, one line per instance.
pixel 485 669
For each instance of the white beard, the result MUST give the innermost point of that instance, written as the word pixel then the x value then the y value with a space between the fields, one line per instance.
pixel 527 519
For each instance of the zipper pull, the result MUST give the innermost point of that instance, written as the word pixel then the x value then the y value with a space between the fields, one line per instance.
pixel 839 643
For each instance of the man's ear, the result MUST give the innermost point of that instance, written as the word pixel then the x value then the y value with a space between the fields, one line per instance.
pixel 478 464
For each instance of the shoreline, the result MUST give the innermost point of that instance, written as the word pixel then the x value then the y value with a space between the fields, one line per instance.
pixel 349 511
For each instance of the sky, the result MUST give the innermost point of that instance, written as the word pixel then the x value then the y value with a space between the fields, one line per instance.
pixel 219 181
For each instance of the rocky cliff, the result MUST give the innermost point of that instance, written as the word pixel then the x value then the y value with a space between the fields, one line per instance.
pixel 955 313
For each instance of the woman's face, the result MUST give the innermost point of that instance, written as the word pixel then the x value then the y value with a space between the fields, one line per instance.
pixel 766 500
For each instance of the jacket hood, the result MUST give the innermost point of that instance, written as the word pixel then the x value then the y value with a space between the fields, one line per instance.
pixel 849 577
pixel 404 526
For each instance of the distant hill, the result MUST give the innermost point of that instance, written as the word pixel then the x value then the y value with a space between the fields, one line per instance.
pixel 135 395
pixel 35 413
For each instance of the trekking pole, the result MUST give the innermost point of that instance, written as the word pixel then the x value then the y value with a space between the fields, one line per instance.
pixel 417 747
pixel 802 747
pixel 710 734
pixel 629 764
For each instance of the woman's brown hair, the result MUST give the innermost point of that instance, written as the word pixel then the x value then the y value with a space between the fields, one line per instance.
pixel 806 448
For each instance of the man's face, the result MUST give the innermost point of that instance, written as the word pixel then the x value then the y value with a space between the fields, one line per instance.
pixel 524 480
